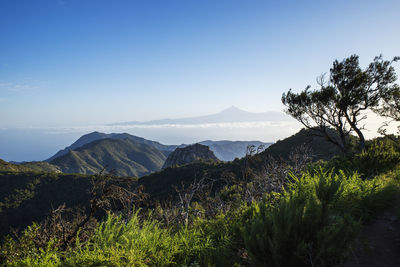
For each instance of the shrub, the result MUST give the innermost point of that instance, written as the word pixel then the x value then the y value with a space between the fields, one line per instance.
pixel 304 228
pixel 116 242
pixel 141 243
pixel 381 155
pixel 26 251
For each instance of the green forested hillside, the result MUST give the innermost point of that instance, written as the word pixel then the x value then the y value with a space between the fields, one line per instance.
pixel 95 136
pixel 30 196
pixel 36 166
pixel 123 157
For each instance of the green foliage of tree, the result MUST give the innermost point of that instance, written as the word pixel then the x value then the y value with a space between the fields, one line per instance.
pixel 342 102
pixel 391 105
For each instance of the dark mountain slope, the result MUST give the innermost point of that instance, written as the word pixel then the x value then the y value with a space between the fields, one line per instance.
pixel 125 157
pixel 161 184
pixel 320 147
pixel 30 196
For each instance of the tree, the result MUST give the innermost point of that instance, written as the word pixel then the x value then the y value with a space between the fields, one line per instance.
pixel 391 106
pixel 342 102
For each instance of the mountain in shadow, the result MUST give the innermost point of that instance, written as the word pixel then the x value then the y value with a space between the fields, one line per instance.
pixel 190 154
pixel 318 146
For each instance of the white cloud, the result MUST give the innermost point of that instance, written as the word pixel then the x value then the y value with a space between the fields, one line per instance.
pixel 224 125
pixel 190 133
pixel 17 87
pixel 268 131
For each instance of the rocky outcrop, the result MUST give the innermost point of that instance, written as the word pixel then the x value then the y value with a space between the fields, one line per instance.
pixel 188 154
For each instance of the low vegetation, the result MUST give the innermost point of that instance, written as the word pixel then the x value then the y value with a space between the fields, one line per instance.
pixel 312 217
pixel 38 166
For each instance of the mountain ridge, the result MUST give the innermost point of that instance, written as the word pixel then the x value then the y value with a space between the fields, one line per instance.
pixel 123 156
pixel 225 150
pixel 229 115
pixel 94 136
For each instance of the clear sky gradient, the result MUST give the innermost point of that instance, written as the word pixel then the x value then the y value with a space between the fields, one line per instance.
pixel 71 63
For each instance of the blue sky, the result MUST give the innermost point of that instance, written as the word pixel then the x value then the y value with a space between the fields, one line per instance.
pixel 67 67
pixel 65 63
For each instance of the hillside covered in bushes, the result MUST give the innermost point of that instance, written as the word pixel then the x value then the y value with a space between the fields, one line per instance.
pixel 297 216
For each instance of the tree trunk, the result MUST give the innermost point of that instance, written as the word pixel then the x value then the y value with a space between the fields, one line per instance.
pixel 358 132
pixel 360 136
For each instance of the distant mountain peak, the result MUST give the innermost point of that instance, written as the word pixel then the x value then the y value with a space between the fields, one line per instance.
pixel 231 114
pixel 232 109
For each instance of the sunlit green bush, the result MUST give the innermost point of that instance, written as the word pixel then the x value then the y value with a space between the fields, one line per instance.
pixel 140 243
pixel 304 228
